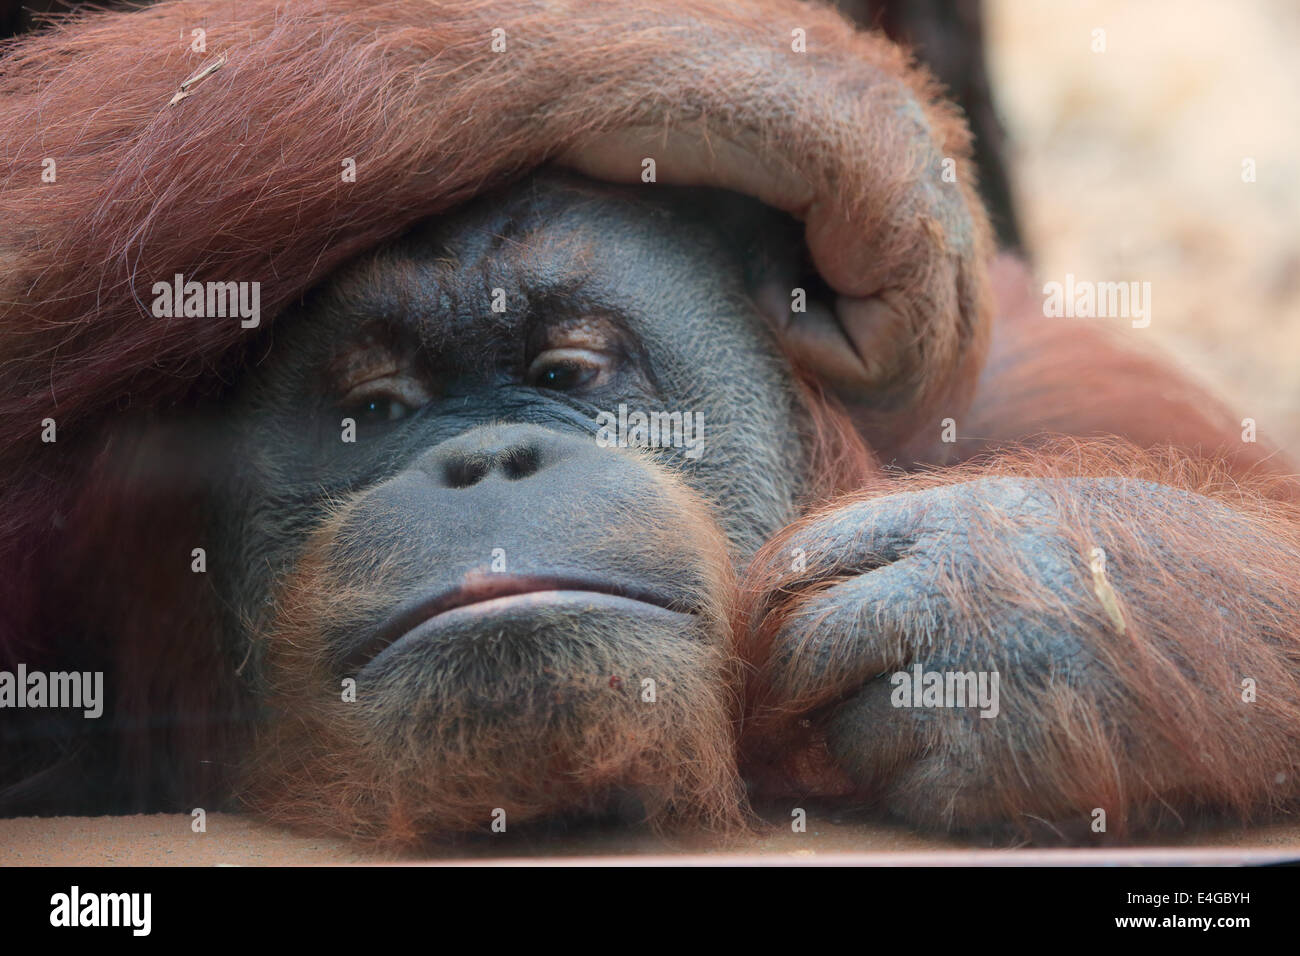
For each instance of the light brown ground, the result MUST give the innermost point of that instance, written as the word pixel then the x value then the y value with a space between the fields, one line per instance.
pixel 167 840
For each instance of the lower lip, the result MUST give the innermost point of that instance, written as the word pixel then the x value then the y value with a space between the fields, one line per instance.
pixel 483 612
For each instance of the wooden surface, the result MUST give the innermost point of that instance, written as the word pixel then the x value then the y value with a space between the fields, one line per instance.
pixel 167 840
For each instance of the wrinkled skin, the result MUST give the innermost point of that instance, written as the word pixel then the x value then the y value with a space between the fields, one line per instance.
pixel 1119 665
pixel 487 569
pixel 501 586
pixel 475 606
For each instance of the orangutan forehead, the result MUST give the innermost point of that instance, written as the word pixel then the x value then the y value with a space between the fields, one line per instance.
pixel 438 292
pixel 545 252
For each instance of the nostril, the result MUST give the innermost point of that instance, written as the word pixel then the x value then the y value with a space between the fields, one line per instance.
pixel 520 462
pixel 464 472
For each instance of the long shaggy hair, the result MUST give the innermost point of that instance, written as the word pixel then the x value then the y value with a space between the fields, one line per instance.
pixel 241 180
pixel 1156 723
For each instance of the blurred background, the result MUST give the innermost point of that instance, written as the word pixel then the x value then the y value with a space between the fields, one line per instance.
pixel 1110 142
pixel 1127 165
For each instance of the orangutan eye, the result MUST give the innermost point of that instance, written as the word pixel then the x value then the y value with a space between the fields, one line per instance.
pixel 381 410
pixel 568 369
pixel 385 400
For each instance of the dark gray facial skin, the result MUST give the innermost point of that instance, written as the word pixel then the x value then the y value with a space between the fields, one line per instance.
pixel 475 430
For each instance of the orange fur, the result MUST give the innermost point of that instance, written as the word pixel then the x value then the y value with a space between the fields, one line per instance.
pixel 559 738
pixel 1168 729
pixel 241 181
